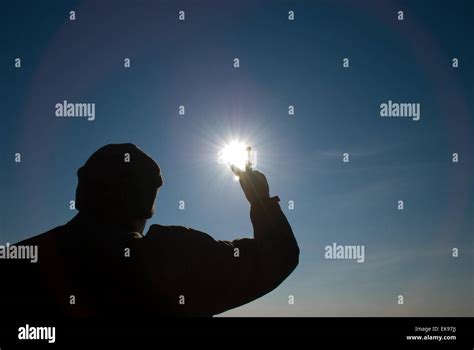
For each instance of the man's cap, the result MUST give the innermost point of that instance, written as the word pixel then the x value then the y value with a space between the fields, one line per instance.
pixel 118 180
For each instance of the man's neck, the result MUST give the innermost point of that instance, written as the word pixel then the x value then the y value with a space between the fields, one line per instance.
pixel 108 224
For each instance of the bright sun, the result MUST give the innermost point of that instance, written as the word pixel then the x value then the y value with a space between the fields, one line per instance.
pixel 235 153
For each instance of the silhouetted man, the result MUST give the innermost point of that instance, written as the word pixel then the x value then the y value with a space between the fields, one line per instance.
pixel 100 266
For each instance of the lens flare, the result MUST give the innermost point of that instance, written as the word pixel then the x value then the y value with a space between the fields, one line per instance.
pixel 238 154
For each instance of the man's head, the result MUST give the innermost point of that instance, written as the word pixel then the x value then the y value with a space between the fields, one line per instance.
pixel 118 182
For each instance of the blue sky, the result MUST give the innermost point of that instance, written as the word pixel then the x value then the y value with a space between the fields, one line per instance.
pixel 282 63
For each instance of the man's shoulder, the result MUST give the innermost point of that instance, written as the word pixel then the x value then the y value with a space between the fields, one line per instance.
pixel 176 233
pixel 42 237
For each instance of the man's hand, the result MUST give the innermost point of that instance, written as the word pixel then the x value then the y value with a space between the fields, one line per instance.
pixel 254 184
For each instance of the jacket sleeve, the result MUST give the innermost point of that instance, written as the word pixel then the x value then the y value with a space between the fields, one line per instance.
pixel 229 274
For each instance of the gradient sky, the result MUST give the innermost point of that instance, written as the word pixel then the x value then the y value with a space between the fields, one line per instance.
pixel 282 63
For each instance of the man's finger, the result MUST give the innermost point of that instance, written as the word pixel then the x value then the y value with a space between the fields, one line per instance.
pixel 235 170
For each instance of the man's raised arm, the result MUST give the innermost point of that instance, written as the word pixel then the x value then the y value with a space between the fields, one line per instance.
pixel 266 260
pixel 215 276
